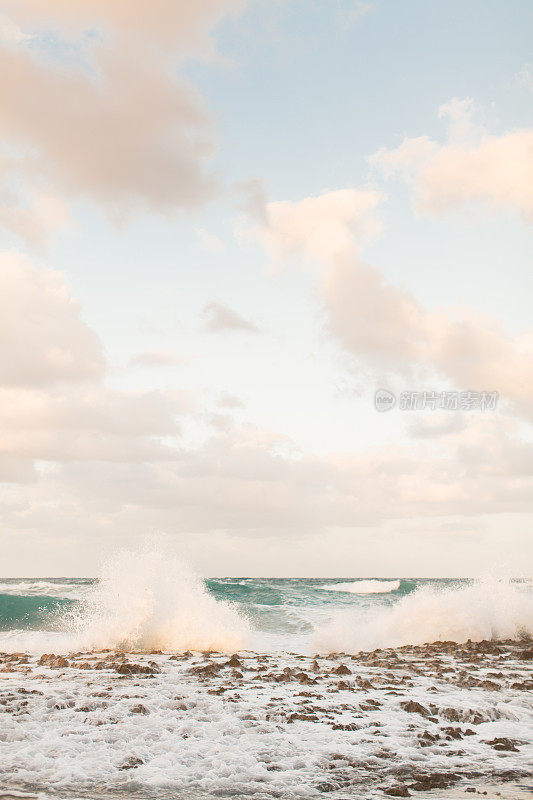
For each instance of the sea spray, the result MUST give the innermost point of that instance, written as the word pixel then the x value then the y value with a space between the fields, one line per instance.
pixel 146 600
pixel 486 609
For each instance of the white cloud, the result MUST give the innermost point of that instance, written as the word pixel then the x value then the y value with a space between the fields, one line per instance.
pixel 166 23
pixel 473 166
pixel 320 226
pixel 81 460
pixel 382 325
pixel 35 221
pixel 220 318
pixel 43 338
pixel 210 241
pixel 128 135
pixel 156 358
pixel 54 404
pixel 117 125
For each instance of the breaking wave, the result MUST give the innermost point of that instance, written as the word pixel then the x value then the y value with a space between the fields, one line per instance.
pixel 146 600
pixel 363 587
pixel 488 609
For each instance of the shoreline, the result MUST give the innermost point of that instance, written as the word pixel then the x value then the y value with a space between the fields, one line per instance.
pixel 442 719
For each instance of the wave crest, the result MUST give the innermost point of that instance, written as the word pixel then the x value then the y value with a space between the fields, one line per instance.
pixel 488 609
pixel 144 600
pixel 363 587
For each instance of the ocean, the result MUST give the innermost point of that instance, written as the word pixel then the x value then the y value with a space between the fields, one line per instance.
pixel 322 695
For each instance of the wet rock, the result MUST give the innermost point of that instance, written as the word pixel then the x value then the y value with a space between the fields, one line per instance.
pixel 350 726
pixel 415 708
pixel 234 662
pixel 526 655
pixel 135 669
pixel 433 780
pixel 132 763
pixel 52 661
pixel 398 791
pixel 295 717
pixel 453 733
pixel 506 745
pixel 426 739
pixel 342 669
pixel 139 709
pixel 207 670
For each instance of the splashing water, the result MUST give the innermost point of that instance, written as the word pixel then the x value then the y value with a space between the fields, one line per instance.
pixel 147 601
pixel 487 609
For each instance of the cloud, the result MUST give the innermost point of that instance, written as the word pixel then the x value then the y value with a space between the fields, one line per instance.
pixel 10 33
pixel 239 481
pixel 89 425
pixel 155 358
pixel 35 221
pixel 54 403
pixel 525 77
pixel 320 226
pixel 116 124
pixel 129 134
pixel 382 325
pixel 82 461
pixel 227 400
pixel 352 11
pixel 220 318
pixel 44 340
pixel 166 23
pixel 210 242
pixel 472 167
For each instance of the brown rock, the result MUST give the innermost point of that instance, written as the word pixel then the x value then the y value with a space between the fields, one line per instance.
pixel 415 708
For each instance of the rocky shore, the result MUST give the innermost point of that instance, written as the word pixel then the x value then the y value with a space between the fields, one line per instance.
pixel 390 723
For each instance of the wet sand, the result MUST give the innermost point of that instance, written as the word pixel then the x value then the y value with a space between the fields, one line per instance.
pixel 438 720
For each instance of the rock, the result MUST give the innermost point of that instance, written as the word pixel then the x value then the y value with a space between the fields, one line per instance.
pixel 207 670
pixel 415 708
pixel 526 655
pixel 342 669
pixel 53 661
pixel 434 780
pixel 233 662
pixel 506 745
pixel 139 709
pixel 398 791
pixel 132 763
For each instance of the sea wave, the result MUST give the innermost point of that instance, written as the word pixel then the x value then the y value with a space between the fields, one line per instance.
pixel 363 587
pixel 72 588
pixel 143 600
pixel 146 600
pixel 486 609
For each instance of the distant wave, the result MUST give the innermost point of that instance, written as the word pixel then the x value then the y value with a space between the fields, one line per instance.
pixel 363 587
pixel 39 588
pixel 487 609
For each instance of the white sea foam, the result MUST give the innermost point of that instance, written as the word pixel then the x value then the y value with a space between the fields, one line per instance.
pixel 37 588
pixel 487 609
pixel 363 587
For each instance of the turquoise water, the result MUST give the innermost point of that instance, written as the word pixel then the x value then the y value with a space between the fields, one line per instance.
pixel 134 606
pixel 271 604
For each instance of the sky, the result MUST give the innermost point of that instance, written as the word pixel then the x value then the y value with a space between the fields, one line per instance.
pixel 224 227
